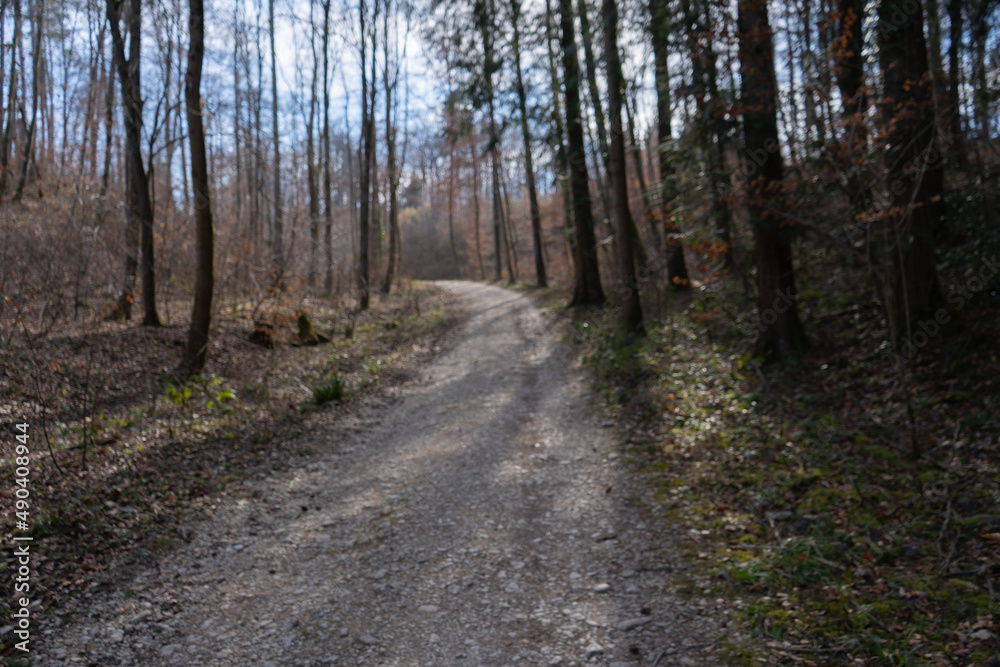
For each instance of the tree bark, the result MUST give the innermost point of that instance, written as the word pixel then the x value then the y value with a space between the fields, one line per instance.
pixel 311 167
pixel 590 68
pixel 536 216
pixel 915 180
pixel 587 289
pixel 327 163
pixel 484 16
pixel 37 40
pixel 781 333
pixel 392 178
pixel 366 165
pixel 12 100
pixel 660 19
pixel 934 60
pixel 201 312
pixel 559 140
pixel 956 139
pixel 278 256
pixel 138 208
pixel 631 305
pixel 849 70
pixel 475 205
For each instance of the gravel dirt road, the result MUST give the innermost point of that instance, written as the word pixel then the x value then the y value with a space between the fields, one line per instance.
pixel 479 514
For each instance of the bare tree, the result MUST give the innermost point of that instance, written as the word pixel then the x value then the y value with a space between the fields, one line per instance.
pixel 201 311
pixel 529 168
pixel 631 306
pixel 587 290
pixel 139 210
pixel 783 335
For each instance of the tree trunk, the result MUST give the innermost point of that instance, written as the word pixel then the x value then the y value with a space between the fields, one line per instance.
pixel 536 216
pixel 366 165
pixel 781 332
pixel 475 205
pixel 484 15
pixel 12 100
pixel 109 125
pixel 956 138
pixel 451 191
pixel 587 289
pixel 978 32
pixel 599 120
pixel 631 306
pixel 915 181
pixel 850 80
pixel 392 178
pixel 312 168
pixel 201 311
pixel 638 247
pixel 327 164
pixel 37 40
pixel 561 156
pixel 934 61
pixel 660 31
pixel 139 208
pixel 278 257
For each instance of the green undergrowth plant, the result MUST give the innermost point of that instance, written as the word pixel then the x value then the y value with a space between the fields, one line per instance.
pixel 330 391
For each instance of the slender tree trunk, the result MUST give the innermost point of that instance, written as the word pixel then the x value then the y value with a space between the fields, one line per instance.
pixel 934 60
pixel 311 166
pixel 660 31
pixel 392 178
pixel 238 117
pixel 631 306
pixel 375 223
pixel 485 18
pixel 139 206
pixel 956 143
pixel 529 169
pixel 475 205
pixel 109 126
pixel 915 181
pixel 510 233
pixel 36 60
pixel 279 213
pixel 850 80
pixel 12 99
pixel 595 97
pixel 451 195
pixel 366 165
pixel 638 247
pixel 978 31
pixel 327 164
pixel 559 141
pixel 587 289
pixel 201 312
pixel 781 332
pixel 92 93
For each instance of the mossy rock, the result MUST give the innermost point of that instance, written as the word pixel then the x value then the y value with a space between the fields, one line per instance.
pixel 308 334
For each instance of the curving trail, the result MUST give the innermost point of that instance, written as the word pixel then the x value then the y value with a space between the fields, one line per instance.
pixel 479 516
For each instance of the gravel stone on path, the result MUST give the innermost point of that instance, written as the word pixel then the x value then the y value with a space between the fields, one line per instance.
pixel 476 515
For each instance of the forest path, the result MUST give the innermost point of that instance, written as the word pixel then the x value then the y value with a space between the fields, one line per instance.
pixel 479 516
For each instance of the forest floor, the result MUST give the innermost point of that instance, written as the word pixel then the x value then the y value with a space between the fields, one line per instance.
pixel 478 513
pixel 846 505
